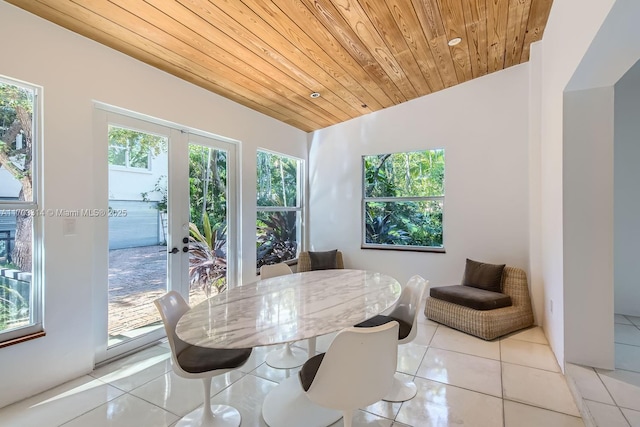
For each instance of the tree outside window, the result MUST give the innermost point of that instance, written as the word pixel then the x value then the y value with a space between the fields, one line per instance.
pixel 20 214
pixel 132 149
pixel 279 208
pixel 403 200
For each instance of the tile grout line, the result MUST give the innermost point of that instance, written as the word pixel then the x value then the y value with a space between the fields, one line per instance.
pixel 129 392
pixel 606 404
pixel 504 415
pixel 616 405
pixel 585 413
pixel 542 408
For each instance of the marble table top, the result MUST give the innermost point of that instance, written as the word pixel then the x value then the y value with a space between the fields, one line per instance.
pixel 288 308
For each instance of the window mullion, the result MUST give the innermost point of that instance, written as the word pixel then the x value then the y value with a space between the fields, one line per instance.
pixel 278 209
pixel 403 199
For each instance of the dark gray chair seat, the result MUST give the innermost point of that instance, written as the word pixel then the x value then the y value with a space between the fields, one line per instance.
pixel 309 370
pixel 195 359
pixel 381 319
pixel 467 296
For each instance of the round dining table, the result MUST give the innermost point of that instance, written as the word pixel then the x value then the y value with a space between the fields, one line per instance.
pixel 285 309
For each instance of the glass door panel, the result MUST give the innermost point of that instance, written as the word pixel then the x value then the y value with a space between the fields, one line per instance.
pixel 208 217
pixel 138 256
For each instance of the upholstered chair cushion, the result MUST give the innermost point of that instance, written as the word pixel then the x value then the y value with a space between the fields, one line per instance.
pixel 195 359
pixel 467 296
pixel 309 370
pixel 323 260
pixel 483 276
pixel 403 332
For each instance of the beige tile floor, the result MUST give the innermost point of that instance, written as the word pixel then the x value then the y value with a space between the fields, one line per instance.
pixel 612 398
pixel 462 380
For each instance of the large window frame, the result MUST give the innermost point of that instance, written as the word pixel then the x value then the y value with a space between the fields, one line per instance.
pixel 296 208
pixel 432 199
pixel 34 327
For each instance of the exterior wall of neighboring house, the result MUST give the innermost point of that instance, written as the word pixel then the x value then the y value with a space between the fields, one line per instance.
pixel 143 224
pixel 9 190
pixel 9 186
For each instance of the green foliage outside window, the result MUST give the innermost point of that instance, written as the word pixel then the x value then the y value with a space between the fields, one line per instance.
pixel 207 186
pixel 404 199
pixel 277 180
pixel 14 304
pixel 278 208
pixel 130 148
pixel 208 218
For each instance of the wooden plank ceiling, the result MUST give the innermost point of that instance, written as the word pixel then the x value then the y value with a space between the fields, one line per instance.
pixel 270 55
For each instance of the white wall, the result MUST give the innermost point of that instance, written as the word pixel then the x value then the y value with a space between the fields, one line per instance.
pixel 626 197
pixel 565 40
pixel 588 227
pixel 578 57
pixel 482 125
pixel 74 73
pixel 535 183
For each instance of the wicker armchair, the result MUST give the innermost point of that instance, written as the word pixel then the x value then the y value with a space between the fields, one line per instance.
pixel 488 324
pixel 304 261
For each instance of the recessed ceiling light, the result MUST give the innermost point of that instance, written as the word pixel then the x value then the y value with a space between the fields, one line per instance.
pixel 454 41
pixel 315 95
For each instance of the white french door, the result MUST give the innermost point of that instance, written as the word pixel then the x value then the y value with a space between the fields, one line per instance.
pixel 172 207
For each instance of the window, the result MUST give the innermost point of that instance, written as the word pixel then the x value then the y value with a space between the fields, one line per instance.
pixel 20 216
pixel 279 208
pixel 403 201
pixel 132 149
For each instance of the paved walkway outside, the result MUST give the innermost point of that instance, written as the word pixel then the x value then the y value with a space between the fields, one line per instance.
pixel 137 276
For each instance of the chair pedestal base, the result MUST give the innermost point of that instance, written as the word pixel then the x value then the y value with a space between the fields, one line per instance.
pixel 286 358
pixel 288 406
pixel 401 391
pixel 223 416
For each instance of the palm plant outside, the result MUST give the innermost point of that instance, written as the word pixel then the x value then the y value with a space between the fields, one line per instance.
pixel 207 257
pixel 208 213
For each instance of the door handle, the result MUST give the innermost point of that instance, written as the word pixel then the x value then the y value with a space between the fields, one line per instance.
pixel 185 249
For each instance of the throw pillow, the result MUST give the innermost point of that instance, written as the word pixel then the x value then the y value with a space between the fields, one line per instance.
pixel 323 260
pixel 483 276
